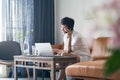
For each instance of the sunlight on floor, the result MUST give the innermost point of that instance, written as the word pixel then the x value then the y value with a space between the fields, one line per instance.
pixel 3 71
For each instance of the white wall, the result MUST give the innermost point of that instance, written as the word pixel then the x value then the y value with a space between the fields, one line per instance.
pixel 78 10
pixel 0 20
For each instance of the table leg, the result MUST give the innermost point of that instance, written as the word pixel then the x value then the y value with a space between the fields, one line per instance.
pixel 15 71
pixel 34 74
pixel 53 75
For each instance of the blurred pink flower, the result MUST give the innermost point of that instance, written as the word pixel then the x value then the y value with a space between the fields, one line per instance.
pixel 113 63
pixel 115 4
pixel 116 37
pixel 107 18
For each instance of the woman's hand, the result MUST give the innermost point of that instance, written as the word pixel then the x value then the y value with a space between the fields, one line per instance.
pixel 69 33
pixel 57 51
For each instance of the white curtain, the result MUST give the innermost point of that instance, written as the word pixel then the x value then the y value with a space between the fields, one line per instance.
pixel 18 21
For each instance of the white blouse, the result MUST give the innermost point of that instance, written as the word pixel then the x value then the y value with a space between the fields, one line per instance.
pixel 78 46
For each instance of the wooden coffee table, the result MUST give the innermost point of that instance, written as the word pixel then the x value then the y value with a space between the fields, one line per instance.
pixel 43 63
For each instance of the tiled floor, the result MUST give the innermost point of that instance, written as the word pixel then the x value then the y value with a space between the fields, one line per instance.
pixel 23 79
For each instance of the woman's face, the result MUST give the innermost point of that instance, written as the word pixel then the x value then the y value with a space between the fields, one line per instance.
pixel 64 28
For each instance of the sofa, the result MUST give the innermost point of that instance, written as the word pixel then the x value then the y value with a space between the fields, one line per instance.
pixel 93 70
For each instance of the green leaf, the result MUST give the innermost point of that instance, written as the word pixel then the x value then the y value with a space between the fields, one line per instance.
pixel 113 63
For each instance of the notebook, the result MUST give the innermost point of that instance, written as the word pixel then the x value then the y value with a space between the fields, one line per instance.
pixel 44 49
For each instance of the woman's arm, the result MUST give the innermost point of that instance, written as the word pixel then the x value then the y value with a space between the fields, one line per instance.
pixel 69 45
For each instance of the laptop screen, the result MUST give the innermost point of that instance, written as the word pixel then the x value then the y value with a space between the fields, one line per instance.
pixel 44 49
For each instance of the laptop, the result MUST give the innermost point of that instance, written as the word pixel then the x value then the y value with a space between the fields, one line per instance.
pixel 44 49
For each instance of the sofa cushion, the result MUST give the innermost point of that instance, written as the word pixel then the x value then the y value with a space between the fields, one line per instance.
pixel 92 69
pixel 89 69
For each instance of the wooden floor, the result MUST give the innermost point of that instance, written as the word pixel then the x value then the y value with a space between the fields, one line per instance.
pixel 23 79
pixel 27 78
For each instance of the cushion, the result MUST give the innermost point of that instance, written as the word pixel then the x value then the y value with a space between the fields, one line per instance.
pixel 91 69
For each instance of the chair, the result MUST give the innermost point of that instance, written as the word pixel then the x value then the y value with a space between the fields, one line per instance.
pixel 7 50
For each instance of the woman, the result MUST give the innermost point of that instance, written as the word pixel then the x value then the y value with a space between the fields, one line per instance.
pixel 73 44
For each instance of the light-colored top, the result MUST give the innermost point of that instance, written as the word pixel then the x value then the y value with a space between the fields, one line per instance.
pixel 78 46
